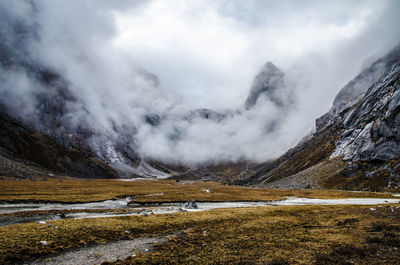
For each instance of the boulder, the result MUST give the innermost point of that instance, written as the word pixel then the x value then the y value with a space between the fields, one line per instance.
pixel 191 204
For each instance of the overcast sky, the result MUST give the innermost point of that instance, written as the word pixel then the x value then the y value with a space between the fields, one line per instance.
pixel 209 51
pixel 205 54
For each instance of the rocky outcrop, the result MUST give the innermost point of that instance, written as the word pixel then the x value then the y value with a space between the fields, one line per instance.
pixel 371 125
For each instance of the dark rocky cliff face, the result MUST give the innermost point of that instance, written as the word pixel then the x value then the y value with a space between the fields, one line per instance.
pixel 371 125
pixel 356 145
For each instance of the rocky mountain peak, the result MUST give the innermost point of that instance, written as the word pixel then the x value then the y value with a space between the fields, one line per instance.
pixel 267 83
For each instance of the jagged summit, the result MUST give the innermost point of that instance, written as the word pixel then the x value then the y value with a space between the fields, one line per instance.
pixel 267 83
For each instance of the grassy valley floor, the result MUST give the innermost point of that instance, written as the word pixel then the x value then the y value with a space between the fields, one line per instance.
pixel 265 235
pixel 68 190
pixel 261 235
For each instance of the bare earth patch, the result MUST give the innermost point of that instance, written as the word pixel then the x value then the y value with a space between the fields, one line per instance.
pixel 98 254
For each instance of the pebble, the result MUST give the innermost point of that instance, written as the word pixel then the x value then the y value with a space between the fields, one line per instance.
pixel 372 209
pixel 42 222
pixel 44 242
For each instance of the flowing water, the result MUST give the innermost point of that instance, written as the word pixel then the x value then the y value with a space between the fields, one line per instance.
pixel 107 208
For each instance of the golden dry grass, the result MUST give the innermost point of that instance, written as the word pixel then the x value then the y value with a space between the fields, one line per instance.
pixel 69 211
pixel 77 190
pixel 266 235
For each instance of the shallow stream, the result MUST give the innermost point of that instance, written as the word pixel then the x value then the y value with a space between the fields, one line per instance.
pixel 81 210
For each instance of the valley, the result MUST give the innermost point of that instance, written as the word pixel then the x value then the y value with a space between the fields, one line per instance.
pixel 109 221
pixel 199 132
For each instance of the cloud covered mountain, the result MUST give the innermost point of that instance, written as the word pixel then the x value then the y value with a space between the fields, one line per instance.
pixel 119 82
pixel 123 118
pixel 356 144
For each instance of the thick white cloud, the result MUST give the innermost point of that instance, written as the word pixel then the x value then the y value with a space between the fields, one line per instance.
pixel 205 53
pixel 208 51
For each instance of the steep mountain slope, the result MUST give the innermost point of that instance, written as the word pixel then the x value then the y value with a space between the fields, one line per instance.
pixel 52 117
pixel 356 145
pixel 44 121
pixel 28 152
pixel 359 85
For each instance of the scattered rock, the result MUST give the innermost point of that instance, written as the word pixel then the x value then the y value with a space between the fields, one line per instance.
pixel 127 232
pixel 42 222
pixel 44 243
pixel 191 204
